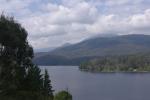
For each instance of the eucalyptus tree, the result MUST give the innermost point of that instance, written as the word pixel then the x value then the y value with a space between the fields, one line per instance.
pixel 20 79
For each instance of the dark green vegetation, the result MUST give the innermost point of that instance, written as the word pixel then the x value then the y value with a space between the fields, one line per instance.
pixel 95 48
pixel 63 95
pixel 20 79
pixel 128 63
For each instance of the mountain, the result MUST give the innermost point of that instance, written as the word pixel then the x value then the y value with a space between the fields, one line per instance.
pixel 45 49
pixel 93 48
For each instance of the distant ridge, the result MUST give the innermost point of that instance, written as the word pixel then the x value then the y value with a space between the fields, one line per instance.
pixel 95 47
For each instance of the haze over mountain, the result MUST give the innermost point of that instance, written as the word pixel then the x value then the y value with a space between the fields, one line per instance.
pixel 45 49
pixel 93 48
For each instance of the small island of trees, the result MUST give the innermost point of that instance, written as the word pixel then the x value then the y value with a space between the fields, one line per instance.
pixel 124 63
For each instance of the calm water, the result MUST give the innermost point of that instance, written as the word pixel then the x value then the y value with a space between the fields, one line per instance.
pixel 100 86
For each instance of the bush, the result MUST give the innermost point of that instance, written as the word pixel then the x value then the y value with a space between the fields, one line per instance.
pixel 63 95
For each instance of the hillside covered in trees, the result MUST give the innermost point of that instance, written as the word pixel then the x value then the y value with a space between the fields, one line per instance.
pixel 94 48
pixel 20 79
pixel 126 63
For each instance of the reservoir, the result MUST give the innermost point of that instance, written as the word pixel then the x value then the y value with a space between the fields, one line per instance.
pixel 99 86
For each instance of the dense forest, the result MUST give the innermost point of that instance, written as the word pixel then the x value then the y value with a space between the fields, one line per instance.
pixel 20 78
pixel 124 63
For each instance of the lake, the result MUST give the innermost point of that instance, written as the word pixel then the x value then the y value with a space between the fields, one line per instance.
pixel 100 86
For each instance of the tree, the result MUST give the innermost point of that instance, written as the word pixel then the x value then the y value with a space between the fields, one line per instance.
pixel 47 88
pixel 34 79
pixel 63 95
pixel 20 79
pixel 12 42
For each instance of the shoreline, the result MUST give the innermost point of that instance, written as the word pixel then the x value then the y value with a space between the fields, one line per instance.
pixel 85 70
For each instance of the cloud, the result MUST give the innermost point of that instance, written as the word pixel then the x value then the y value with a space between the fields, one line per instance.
pixel 15 6
pixel 134 24
pixel 141 20
pixel 52 23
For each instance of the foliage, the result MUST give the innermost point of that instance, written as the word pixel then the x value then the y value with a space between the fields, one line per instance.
pixel 47 88
pixel 137 62
pixel 20 79
pixel 63 95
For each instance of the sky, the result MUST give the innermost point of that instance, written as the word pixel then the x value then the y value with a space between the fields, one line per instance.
pixel 52 23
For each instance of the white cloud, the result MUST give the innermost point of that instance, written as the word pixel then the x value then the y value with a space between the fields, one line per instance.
pixel 116 2
pixel 14 6
pixel 53 24
pixel 141 20
pixel 134 24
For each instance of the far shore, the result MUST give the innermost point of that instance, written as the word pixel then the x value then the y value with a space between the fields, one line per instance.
pixel 84 70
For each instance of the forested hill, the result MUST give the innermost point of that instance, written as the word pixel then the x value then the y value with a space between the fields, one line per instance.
pixel 130 63
pixel 95 47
